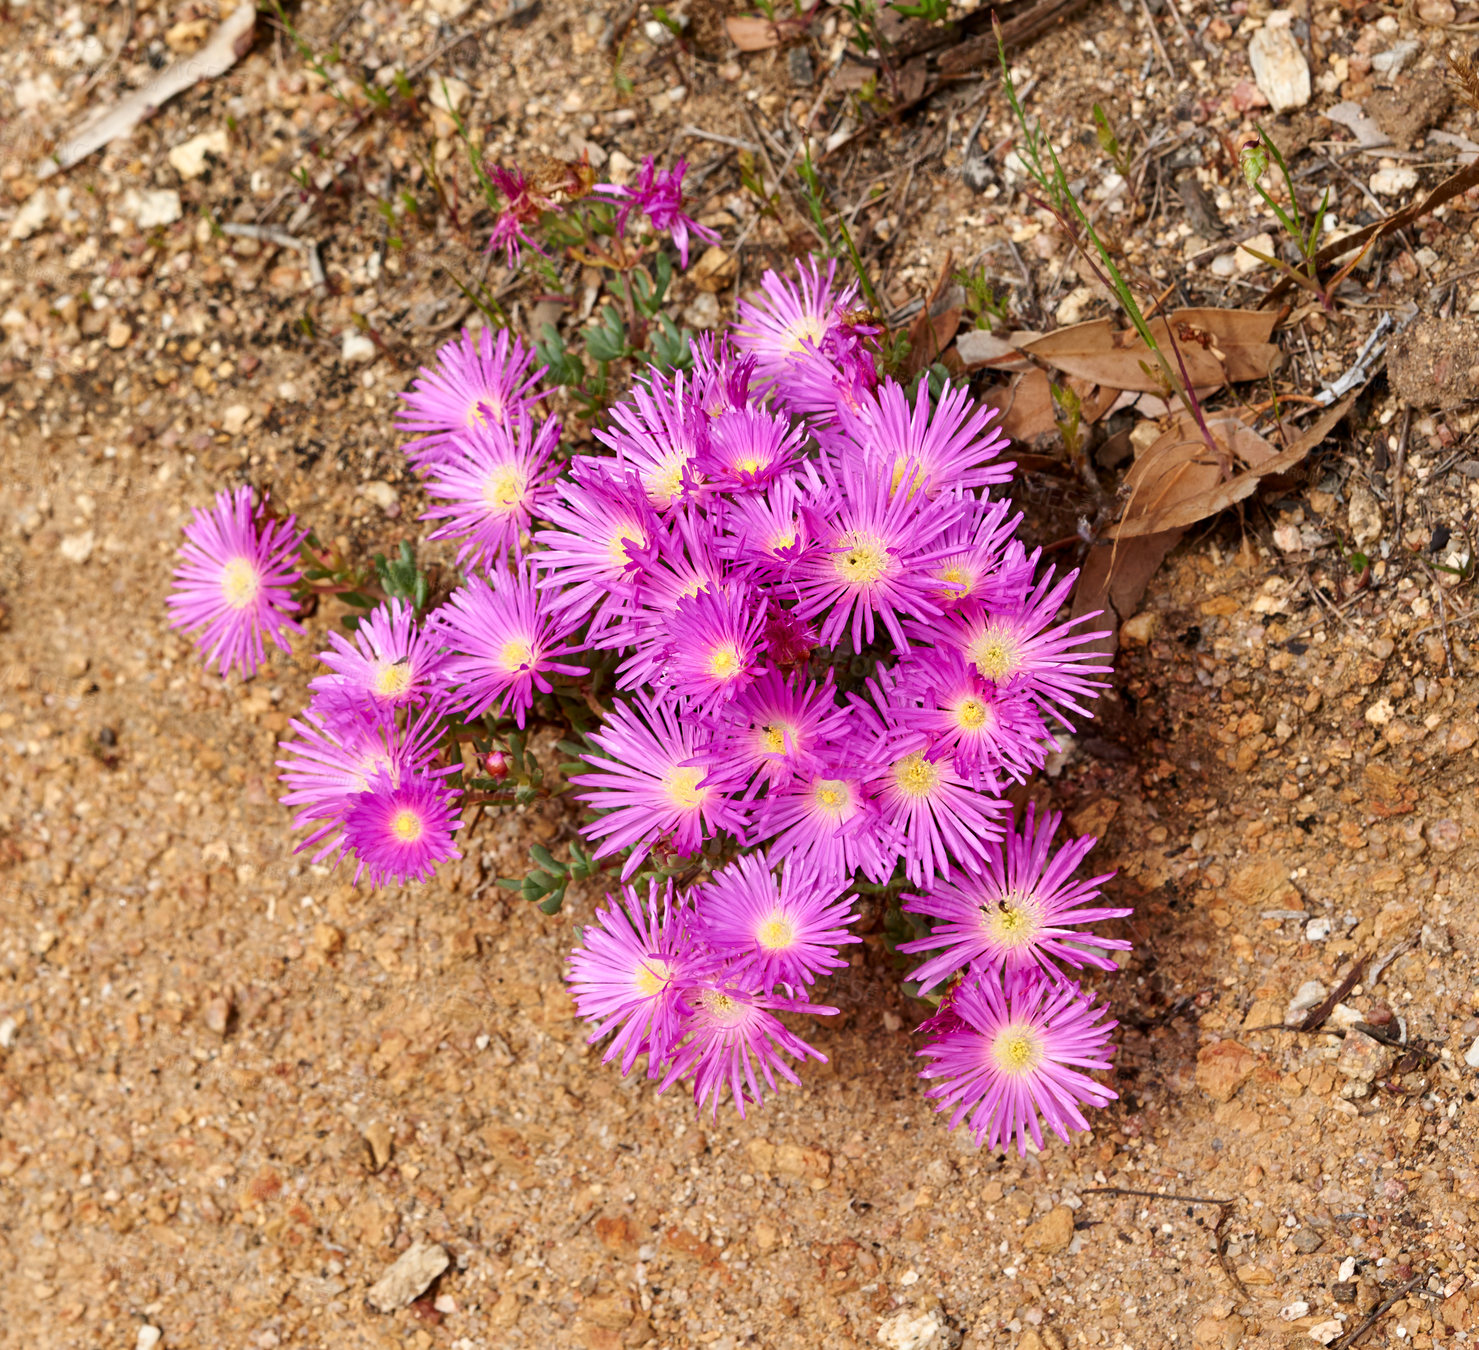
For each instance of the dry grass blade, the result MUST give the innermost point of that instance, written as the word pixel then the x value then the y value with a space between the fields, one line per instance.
pixel 1186 508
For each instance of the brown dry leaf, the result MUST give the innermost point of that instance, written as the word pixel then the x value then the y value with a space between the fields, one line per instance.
pixel 929 336
pixel 1218 346
pixel 751 35
pixel 1027 409
pixel 1174 490
pixel 980 348
pixel 1113 579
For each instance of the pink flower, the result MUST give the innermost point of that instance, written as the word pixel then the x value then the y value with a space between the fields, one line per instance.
pixel 1024 910
pixel 660 198
pixel 235 581
pixel 1015 1058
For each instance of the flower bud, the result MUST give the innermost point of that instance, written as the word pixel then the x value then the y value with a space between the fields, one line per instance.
pixel 495 765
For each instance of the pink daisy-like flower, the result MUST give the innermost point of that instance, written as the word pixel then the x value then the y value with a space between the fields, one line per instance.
pixel 649 784
pixel 658 432
pixel 628 971
pixel 749 448
pixel 329 766
pixel 827 819
pixel 505 643
pixel 492 486
pixel 603 536
pixel 949 447
pixel 774 930
pixel 235 581
pixel 1018 1059
pixel 1020 648
pixel 476 380
pixel 683 567
pixel 729 1033
pixel 988 734
pixel 714 647
pixel 399 832
pixel 939 815
pixel 1023 910
pixel 720 377
pixel 785 321
pixel 392 662
pixel 659 197
pixel 973 567
pixel 778 728
pixel 868 565
pixel 767 532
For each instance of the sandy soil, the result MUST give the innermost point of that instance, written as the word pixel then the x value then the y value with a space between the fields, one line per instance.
pixel 234 1090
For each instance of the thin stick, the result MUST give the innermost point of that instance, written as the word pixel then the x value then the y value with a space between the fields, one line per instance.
pixel 1156 1195
pixel 1380 1311
pixel 698 133
pixel 1315 1018
pixel 1155 37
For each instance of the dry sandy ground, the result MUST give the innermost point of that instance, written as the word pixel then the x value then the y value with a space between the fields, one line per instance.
pixel 234 1090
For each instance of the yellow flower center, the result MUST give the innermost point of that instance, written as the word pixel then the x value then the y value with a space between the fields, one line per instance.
pixel 970 713
pixel 392 679
pixel 1017 1049
pixel 666 481
pixel 862 560
pixel 750 464
pixel 776 933
pixel 904 465
pixel 725 661
pixel 1012 921
pixel 833 797
pixel 652 976
pixel 719 1005
pixel 782 540
pixel 808 328
pixel 917 776
pixel 956 581
pixel 996 654
pixel 617 541
pixel 240 582
pixel 407 826
pixel 773 738
pixel 494 404
pixel 682 788
pixel 505 488
pixel 515 654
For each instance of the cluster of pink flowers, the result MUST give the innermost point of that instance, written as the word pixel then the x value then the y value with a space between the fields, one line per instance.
pixel 832 656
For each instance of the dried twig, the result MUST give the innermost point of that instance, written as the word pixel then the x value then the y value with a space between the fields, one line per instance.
pixel 1378 1312
pixel 1157 1195
pixel 1379 968
pixel 267 234
pixel 1315 1018
pixel 698 133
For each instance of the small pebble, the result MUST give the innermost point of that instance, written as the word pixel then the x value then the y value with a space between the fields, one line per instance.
pixel 1471 1055
pixel 1393 182
pixel 1317 930
pixel 149 1337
